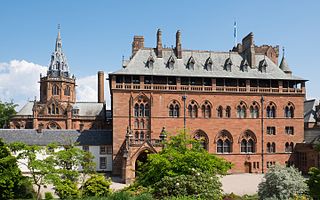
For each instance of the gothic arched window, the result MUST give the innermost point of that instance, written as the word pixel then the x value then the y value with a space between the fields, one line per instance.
pixel 289 111
pixel 136 110
pixel 146 110
pixel 271 110
pixel 206 110
pixel 289 147
pixel 174 109
pixel 248 142
pixel 220 112
pixel 203 138
pixel 141 110
pixel 55 90
pixel 254 110
pixel 193 109
pixel 67 91
pixel 224 142
pixel 241 110
pixel 228 111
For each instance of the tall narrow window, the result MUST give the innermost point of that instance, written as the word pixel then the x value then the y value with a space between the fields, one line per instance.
pixel 241 110
pixel 254 110
pixel 193 109
pixel 219 146
pixel 141 110
pixel 146 110
pixel 174 109
pixel 55 90
pixel 171 110
pixel 67 91
pixel 220 112
pixel 271 111
pixel 289 111
pixel 142 135
pixel 136 110
pixel 228 111
pixel 206 110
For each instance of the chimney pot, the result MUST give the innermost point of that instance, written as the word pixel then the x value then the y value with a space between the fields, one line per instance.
pixel 138 43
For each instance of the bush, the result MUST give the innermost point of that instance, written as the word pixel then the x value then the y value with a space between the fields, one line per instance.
pixel 282 183
pixel 97 186
pixel 314 182
pixel 25 189
pixel 197 185
pixel 48 195
pixel 67 189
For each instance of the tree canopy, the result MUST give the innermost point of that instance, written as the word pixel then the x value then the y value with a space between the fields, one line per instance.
pixel 7 111
pixel 181 156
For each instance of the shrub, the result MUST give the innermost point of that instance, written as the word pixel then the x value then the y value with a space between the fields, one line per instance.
pixel 282 183
pixel 25 189
pixel 48 195
pixel 314 182
pixel 97 186
pixel 67 189
pixel 197 185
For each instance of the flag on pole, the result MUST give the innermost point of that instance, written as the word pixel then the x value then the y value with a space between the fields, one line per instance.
pixel 235 33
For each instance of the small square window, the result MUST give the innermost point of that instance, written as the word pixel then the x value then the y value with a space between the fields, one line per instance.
pixel 85 148
pixel 109 149
pixel 289 130
pixel 103 150
pixel 103 163
pixel 271 130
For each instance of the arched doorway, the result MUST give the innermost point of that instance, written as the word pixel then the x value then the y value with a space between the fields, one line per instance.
pixel 142 158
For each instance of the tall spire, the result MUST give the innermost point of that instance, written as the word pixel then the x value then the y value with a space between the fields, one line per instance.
pixel 283 64
pixel 58 64
pixel 58 41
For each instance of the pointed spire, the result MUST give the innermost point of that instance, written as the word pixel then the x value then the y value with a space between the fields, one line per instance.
pixel 283 64
pixel 58 41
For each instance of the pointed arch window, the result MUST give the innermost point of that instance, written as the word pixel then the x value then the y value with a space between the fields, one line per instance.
pixel 224 142
pixel 271 147
pixel 206 110
pixel 248 142
pixel 170 63
pixel 208 64
pixel 203 138
pixel 67 90
pixel 55 90
pixel 174 109
pixel 220 112
pixel 191 63
pixel 254 110
pixel 241 110
pixel 228 112
pixel 271 110
pixel 289 111
pixel 136 110
pixel 289 147
pixel 193 110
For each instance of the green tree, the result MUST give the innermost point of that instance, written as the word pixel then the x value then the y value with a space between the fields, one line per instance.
pixel 181 156
pixel 97 186
pixel 314 182
pixel 39 168
pixel 7 111
pixel 67 163
pixel 10 174
pixel 282 183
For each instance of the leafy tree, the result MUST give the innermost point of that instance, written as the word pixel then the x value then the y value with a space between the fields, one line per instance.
pixel 66 189
pixel 197 185
pixel 39 169
pixel 7 111
pixel 10 174
pixel 67 163
pixel 314 182
pixel 181 156
pixel 282 183
pixel 97 186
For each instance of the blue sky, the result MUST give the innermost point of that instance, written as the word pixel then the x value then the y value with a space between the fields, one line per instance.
pixel 96 34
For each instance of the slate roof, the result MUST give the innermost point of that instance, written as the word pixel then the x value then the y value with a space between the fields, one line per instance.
pixel 310 110
pixel 86 109
pixel 284 65
pixel 61 137
pixel 137 65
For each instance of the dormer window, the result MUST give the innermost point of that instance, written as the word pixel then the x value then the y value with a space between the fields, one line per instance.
pixel 263 66
pixel 244 65
pixel 150 62
pixel 170 63
pixel 227 65
pixel 208 65
pixel 191 63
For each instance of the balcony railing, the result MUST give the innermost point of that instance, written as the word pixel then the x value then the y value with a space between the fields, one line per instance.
pixel 202 88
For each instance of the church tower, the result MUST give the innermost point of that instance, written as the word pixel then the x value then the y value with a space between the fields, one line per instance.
pixel 58 84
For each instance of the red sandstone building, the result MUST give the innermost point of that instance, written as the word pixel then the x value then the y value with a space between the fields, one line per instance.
pixel 246 107
pixel 57 108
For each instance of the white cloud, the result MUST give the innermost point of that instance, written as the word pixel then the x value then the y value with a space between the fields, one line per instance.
pixel 19 83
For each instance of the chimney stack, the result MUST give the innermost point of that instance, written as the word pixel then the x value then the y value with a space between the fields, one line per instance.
pixel 248 49
pixel 159 44
pixel 138 43
pixel 178 45
pixel 100 87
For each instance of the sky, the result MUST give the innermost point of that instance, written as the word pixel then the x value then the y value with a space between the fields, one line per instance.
pixel 97 33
